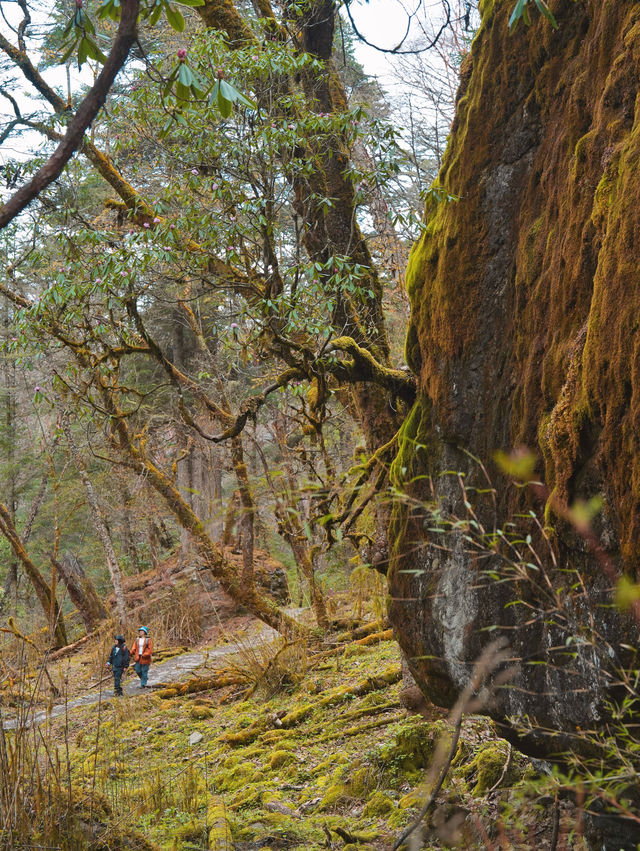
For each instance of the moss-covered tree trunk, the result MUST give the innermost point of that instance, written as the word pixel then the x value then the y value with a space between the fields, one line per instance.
pixel 524 331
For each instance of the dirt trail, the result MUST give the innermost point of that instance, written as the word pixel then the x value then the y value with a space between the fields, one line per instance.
pixel 169 671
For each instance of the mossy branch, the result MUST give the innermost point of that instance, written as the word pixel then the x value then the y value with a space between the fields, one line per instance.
pixel 364 367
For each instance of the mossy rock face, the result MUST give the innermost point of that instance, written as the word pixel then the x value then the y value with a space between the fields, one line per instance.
pixel 525 332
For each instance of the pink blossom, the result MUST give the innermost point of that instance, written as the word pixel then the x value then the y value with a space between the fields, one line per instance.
pixel 157 221
pixel 214 187
pixel 146 225
pixel 37 388
pixel 98 280
pixel 234 325
pixel 194 171
pixel 181 54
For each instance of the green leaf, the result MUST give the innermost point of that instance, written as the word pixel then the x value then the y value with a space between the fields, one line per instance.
pixel 182 91
pixel 94 52
pixel 231 93
pixel 225 106
pixel 517 13
pixel 67 54
pixel 170 82
pixel 83 52
pixel 546 11
pixel 175 18
pixel 109 9
pixel 191 2
pixel 228 91
pixel 154 16
pixel 184 75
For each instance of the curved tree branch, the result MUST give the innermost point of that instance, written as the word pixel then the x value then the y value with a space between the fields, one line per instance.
pixel 87 111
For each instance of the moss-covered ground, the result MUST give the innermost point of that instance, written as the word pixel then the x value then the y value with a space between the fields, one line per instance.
pixel 325 757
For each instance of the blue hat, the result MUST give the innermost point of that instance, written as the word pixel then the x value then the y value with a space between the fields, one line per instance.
pixel 144 628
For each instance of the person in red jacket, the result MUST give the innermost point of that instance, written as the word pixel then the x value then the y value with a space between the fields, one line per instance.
pixel 141 653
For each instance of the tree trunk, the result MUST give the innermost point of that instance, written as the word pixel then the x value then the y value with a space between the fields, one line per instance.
pixel 40 585
pixel 81 591
pixel 128 541
pixel 100 526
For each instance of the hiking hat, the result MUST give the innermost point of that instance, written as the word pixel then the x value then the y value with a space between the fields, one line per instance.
pixel 119 637
pixel 144 628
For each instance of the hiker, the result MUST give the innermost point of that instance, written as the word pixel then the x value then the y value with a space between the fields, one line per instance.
pixel 141 652
pixel 118 662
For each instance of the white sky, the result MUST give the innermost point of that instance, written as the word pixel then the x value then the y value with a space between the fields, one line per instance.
pixel 382 22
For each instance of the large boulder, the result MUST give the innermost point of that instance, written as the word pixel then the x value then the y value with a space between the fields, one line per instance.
pixel 524 332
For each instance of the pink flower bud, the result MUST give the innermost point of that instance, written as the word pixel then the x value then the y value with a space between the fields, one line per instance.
pixel 182 54
pixel 220 73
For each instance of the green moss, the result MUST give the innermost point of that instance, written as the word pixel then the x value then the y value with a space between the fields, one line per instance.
pixel 335 794
pixel 201 713
pixel 189 835
pixel 220 838
pixel 237 777
pixel 378 804
pixel 487 767
pixel 279 758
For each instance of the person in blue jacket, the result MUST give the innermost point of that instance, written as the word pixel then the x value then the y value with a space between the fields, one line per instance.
pixel 118 662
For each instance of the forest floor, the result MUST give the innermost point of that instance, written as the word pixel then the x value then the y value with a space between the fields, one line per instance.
pixel 304 747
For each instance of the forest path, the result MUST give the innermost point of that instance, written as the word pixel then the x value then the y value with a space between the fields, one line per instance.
pixel 169 671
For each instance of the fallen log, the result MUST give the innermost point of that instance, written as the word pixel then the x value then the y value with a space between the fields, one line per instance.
pixel 71 648
pixel 224 677
pixel 375 638
pixel 337 695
